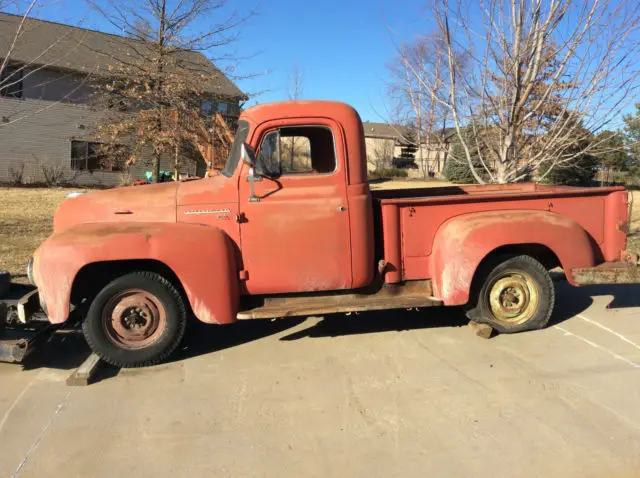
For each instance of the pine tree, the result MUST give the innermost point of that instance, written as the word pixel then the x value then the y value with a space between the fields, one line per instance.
pixel 457 169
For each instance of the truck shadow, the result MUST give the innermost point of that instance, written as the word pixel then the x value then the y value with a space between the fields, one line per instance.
pixel 67 349
pixel 63 350
pixel 203 338
pixel 382 321
pixel 570 302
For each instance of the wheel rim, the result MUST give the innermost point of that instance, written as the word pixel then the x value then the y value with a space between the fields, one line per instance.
pixel 134 319
pixel 513 298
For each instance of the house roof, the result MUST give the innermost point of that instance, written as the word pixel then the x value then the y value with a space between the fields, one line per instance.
pixel 396 132
pixel 383 130
pixel 89 51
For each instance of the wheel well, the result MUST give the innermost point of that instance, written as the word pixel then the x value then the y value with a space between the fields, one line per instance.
pixel 539 252
pixel 93 277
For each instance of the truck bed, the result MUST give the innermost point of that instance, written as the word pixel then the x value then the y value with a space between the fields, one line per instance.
pixel 408 219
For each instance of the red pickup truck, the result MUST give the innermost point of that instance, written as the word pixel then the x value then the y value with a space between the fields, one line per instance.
pixel 291 227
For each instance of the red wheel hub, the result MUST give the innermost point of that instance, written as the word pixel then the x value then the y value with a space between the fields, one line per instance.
pixel 134 319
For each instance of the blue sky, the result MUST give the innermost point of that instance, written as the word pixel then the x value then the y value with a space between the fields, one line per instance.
pixel 340 46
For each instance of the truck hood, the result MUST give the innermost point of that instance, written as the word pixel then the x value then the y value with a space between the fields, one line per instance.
pixel 149 203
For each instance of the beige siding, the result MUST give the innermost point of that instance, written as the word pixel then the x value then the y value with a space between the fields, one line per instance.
pixel 380 152
pixel 36 132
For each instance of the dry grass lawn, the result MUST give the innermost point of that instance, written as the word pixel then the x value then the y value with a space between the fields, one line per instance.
pixel 26 219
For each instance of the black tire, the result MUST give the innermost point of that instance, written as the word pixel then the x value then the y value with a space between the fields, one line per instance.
pixel 102 335
pixel 516 294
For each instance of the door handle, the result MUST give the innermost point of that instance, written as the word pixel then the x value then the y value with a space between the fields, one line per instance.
pixel 342 208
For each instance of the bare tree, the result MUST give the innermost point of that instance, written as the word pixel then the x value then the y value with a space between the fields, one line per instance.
pixel 414 103
pixel 295 88
pixel 295 91
pixel 412 110
pixel 165 77
pixel 540 78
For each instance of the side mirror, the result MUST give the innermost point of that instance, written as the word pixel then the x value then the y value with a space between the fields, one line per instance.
pixel 247 155
pixel 268 167
pixel 265 165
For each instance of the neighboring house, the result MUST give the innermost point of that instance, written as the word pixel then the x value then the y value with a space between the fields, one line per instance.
pixel 384 144
pixel 45 118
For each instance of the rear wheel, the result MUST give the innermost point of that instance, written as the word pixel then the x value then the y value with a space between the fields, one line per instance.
pixel 516 295
pixel 135 320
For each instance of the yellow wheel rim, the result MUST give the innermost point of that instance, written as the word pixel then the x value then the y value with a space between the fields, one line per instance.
pixel 513 298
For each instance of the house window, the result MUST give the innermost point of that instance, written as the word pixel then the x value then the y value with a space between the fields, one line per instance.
pixel 11 82
pixel 92 156
pixel 223 108
pixel 206 107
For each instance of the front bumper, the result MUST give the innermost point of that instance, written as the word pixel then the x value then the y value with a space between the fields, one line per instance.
pixel 624 272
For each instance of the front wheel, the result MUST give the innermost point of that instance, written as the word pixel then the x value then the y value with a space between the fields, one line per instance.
pixel 136 320
pixel 517 295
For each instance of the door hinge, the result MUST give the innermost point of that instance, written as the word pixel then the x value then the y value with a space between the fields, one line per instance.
pixel 241 218
pixel 243 274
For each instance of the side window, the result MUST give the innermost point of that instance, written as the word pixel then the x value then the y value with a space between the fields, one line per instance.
pixel 91 156
pixel 299 150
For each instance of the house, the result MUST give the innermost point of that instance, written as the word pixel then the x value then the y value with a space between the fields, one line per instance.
pixel 385 142
pixel 45 90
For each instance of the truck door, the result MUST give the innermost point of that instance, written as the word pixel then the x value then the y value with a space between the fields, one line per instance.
pixel 295 233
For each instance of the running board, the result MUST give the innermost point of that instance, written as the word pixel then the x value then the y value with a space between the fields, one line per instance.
pixel 404 296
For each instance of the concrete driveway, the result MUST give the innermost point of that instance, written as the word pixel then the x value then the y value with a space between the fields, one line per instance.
pixel 389 394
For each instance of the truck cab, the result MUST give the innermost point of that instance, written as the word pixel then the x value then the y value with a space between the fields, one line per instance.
pixel 306 223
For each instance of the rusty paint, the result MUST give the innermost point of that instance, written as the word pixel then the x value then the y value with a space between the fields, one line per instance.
pixel 608 273
pixel 134 319
pixel 463 242
pixel 297 238
pixel 150 203
pixel 630 257
pixel 203 258
pixel 392 240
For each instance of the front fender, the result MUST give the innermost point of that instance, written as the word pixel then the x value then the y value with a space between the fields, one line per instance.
pixel 463 242
pixel 202 257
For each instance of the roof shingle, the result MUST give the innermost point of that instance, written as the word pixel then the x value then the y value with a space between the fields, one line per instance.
pixel 89 51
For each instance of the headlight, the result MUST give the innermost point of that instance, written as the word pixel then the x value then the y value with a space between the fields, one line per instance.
pixel 75 194
pixel 30 271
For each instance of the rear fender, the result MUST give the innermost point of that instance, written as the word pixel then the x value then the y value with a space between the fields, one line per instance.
pixel 202 257
pixel 463 242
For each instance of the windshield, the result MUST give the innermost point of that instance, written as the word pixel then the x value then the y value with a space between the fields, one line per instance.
pixel 234 154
